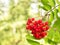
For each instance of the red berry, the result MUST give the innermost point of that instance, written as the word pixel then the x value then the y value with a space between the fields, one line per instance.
pixel 33 32
pixel 43 34
pixel 39 21
pixel 29 21
pixel 32 19
pixel 46 23
pixel 35 23
pixel 44 29
pixel 27 27
pixel 47 27
pixel 37 36
pixel 37 28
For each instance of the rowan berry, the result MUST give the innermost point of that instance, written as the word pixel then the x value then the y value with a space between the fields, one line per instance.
pixel 38 28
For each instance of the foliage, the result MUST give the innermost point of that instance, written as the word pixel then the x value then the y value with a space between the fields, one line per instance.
pixel 12 26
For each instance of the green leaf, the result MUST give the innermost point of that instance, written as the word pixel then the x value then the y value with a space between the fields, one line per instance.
pixel 50 35
pixel 46 7
pixel 57 25
pixel 51 17
pixel 57 36
pixel 29 37
pixel 52 2
pixel 50 41
pixel 53 36
pixel 44 2
pixel 54 32
pixel 32 42
pixel 59 9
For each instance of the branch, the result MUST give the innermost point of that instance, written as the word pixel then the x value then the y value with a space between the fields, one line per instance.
pixel 51 10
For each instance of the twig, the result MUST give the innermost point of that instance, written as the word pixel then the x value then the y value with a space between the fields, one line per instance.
pixel 51 10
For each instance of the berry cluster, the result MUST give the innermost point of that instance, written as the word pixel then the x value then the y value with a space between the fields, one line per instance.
pixel 37 27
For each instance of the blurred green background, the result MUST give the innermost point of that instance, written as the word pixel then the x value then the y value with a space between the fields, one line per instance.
pixel 14 15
